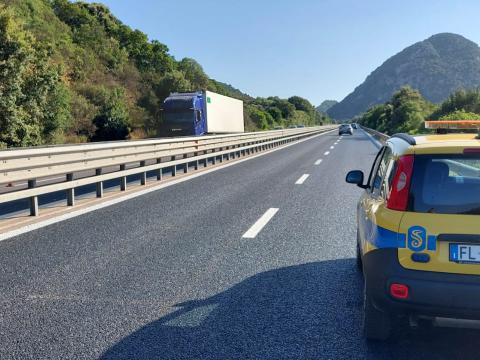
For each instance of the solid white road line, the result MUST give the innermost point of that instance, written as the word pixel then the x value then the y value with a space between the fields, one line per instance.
pixel 326 153
pixel 318 162
pixel 302 179
pixel 260 224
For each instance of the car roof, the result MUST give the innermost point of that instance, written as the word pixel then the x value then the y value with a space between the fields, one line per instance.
pixel 433 144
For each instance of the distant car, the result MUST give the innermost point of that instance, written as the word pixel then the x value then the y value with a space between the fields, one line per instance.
pixel 345 129
pixel 355 125
pixel 418 232
pixel 292 127
pixel 278 128
pixel 300 126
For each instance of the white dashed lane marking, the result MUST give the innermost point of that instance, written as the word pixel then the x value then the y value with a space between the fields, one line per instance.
pixel 260 224
pixel 302 179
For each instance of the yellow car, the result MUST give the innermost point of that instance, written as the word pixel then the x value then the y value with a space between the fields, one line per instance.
pixel 418 233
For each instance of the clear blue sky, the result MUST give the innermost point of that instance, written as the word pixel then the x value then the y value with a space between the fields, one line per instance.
pixel 318 49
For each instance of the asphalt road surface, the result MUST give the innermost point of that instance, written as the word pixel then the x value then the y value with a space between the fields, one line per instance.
pixel 254 261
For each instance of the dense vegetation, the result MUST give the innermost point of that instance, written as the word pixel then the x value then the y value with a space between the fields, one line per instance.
pixel 71 72
pixel 407 110
pixel 436 67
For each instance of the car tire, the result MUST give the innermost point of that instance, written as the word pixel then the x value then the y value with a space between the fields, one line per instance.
pixel 377 325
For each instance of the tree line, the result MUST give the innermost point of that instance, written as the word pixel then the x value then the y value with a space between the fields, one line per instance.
pixel 72 72
pixel 407 110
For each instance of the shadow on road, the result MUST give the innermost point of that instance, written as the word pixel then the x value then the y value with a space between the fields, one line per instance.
pixel 306 311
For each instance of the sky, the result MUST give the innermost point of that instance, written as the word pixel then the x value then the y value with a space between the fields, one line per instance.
pixel 317 49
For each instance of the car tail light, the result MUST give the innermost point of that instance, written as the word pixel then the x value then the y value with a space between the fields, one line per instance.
pixel 399 291
pixel 398 199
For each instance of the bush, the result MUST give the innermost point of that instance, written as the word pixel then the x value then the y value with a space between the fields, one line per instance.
pixel 112 122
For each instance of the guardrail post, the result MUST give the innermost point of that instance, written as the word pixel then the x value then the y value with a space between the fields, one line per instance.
pixel 70 192
pixel 185 169
pixel 143 175
pixel 99 184
pixel 196 161
pixel 159 171
pixel 174 167
pixel 33 199
pixel 214 159
pixel 123 179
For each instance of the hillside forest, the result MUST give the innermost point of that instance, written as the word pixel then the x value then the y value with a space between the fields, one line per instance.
pixel 407 110
pixel 72 72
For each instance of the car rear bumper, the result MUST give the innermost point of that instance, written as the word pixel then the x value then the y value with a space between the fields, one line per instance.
pixel 430 293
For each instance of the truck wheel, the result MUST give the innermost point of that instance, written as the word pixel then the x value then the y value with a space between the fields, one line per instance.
pixel 376 323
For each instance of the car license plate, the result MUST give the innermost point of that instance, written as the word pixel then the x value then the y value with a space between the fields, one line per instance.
pixel 463 253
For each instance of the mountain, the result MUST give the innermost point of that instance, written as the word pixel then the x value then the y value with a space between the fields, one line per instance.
pixel 325 105
pixel 436 67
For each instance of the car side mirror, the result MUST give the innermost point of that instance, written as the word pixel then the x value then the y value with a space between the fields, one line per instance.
pixel 356 177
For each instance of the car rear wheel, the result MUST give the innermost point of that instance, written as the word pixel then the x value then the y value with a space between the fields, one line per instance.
pixel 376 324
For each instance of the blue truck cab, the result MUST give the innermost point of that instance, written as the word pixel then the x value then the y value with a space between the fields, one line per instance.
pixel 184 114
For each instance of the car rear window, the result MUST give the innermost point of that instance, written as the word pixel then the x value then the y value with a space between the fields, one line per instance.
pixel 446 184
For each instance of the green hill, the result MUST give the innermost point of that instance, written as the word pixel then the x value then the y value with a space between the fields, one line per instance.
pixel 326 105
pixel 436 67
pixel 72 71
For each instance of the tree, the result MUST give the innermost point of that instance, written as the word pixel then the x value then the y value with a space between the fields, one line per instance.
pixel 287 109
pixel 261 118
pixel 301 104
pixel 172 82
pixel 194 73
pixel 461 100
pixel 405 112
pixel 460 115
pixel 34 104
pixel 112 122
pixel 275 113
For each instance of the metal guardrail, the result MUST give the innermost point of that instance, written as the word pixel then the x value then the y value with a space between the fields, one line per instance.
pixel 31 164
pixel 377 135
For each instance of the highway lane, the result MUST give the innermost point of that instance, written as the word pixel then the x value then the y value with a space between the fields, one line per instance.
pixel 169 275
